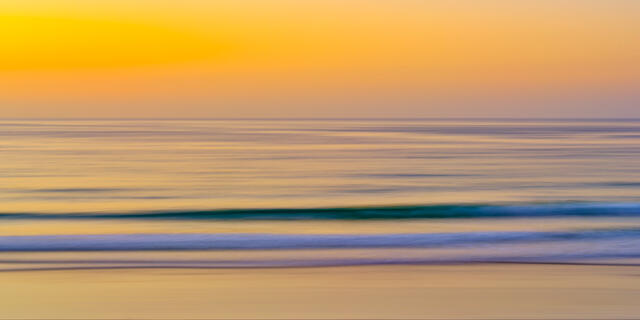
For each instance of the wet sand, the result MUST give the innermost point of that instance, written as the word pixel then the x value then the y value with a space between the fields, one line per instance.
pixel 507 291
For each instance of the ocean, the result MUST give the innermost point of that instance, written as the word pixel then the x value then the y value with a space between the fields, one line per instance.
pixel 240 193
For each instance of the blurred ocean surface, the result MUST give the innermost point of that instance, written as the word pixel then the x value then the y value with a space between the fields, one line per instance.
pixel 256 193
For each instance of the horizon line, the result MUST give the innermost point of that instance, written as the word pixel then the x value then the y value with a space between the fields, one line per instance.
pixel 317 118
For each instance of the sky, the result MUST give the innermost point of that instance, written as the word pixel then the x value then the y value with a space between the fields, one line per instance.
pixel 319 58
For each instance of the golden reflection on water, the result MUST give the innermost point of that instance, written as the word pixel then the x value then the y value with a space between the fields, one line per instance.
pixel 83 227
pixel 129 165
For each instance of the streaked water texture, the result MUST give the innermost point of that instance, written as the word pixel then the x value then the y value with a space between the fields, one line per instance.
pixel 317 192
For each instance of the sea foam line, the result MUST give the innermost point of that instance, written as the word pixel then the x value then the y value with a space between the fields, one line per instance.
pixel 118 242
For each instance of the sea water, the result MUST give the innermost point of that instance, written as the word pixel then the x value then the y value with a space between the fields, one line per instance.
pixel 316 192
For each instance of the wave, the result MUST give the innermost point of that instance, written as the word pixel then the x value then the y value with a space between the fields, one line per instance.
pixel 140 242
pixel 455 211
pixel 592 248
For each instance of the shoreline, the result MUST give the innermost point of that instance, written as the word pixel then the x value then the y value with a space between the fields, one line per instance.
pixel 328 266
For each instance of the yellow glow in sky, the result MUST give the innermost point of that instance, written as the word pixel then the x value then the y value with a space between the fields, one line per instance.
pixel 284 58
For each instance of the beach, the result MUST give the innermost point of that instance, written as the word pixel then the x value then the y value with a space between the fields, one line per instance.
pixel 470 291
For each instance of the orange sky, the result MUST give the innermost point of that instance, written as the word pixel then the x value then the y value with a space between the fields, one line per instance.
pixel 319 58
